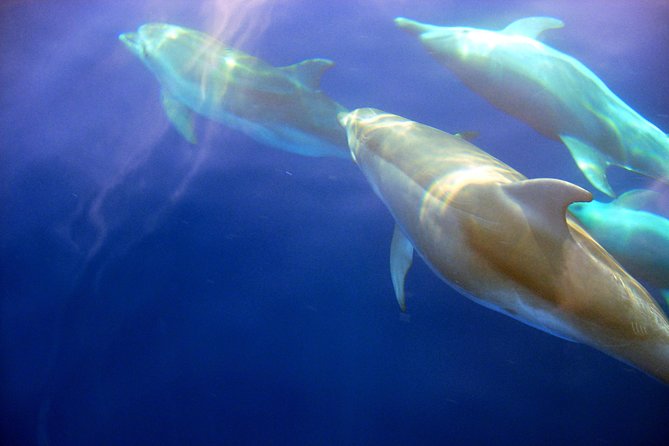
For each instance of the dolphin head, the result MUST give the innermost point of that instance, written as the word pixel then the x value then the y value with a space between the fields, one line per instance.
pixel 451 43
pixel 359 124
pixel 590 214
pixel 167 49
pixel 151 39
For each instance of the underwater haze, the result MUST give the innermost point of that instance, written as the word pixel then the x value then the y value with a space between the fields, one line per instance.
pixel 155 291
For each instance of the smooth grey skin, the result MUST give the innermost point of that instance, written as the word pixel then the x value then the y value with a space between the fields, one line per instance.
pixel 281 107
pixel 552 92
pixel 504 241
pixel 635 231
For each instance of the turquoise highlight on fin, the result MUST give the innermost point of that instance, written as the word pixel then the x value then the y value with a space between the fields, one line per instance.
pixel 532 27
pixel 591 162
pixel 401 257
pixel 180 116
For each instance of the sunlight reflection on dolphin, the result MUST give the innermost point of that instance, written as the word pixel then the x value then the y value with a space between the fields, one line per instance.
pixel 552 92
pixel 280 107
pixel 504 241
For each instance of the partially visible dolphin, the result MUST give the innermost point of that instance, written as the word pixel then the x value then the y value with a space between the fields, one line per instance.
pixel 505 241
pixel 552 92
pixel 281 107
pixel 633 229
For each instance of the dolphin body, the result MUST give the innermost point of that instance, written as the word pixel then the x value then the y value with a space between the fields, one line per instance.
pixel 280 107
pixel 552 92
pixel 504 241
pixel 633 229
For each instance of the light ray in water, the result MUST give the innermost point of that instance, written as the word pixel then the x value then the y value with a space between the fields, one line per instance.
pixel 238 22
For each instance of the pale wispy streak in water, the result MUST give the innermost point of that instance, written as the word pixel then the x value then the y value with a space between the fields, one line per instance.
pixel 238 23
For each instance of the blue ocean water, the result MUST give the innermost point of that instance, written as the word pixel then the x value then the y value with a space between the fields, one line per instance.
pixel 155 292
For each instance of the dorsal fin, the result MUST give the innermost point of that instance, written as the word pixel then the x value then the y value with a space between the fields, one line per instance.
pixel 469 135
pixel 640 200
pixel 532 27
pixel 545 200
pixel 309 72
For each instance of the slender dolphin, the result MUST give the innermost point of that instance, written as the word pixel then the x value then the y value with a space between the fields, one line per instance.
pixel 633 229
pixel 281 107
pixel 552 92
pixel 505 241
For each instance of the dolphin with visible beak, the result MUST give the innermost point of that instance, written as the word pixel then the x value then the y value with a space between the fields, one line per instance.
pixel 634 228
pixel 504 241
pixel 552 92
pixel 281 107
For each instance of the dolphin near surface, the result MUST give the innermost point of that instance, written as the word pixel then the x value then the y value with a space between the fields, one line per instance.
pixel 552 92
pixel 504 241
pixel 634 230
pixel 281 107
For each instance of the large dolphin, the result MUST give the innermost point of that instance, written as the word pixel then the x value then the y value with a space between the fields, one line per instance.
pixel 633 229
pixel 281 107
pixel 552 92
pixel 505 241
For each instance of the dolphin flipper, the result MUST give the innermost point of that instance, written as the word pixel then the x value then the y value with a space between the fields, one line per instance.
pixel 532 27
pixel 180 116
pixel 591 162
pixel 401 257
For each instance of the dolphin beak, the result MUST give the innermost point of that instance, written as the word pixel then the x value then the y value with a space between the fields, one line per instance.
pixel 342 117
pixel 414 27
pixel 133 42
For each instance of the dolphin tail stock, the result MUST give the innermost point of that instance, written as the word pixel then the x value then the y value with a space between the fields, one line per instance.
pixel 658 366
pixel 414 27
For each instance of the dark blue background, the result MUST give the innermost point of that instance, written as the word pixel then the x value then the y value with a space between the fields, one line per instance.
pixel 159 293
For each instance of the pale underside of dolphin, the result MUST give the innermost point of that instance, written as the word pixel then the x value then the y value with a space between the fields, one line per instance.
pixel 281 107
pixel 552 92
pixel 633 229
pixel 505 241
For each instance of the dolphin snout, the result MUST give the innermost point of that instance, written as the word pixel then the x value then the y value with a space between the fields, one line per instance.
pixel 133 42
pixel 342 117
pixel 414 27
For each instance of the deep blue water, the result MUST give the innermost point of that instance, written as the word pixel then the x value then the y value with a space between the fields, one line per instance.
pixel 155 292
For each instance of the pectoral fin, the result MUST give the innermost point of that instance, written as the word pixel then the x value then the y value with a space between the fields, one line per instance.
pixel 665 294
pixel 180 116
pixel 532 27
pixel 591 162
pixel 401 257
